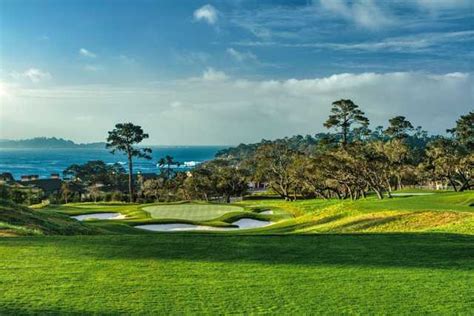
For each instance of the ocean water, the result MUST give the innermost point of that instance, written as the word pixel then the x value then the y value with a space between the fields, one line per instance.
pixel 43 162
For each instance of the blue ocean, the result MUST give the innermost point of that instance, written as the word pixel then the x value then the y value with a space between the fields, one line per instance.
pixel 43 162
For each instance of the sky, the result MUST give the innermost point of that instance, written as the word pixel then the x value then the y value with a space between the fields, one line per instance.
pixel 229 72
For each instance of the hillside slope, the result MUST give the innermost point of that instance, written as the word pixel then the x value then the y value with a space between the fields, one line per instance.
pixel 17 220
pixel 443 212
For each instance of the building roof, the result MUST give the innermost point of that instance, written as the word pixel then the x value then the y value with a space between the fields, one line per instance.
pixel 47 185
pixel 6 176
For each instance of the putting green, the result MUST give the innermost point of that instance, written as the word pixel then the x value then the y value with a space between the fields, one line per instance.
pixel 194 212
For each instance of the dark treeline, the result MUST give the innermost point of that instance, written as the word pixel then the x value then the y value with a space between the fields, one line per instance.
pixel 350 161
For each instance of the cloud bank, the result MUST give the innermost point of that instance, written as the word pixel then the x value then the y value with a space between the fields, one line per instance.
pixel 218 109
pixel 34 75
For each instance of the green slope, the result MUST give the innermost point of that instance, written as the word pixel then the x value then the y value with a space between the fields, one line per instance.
pixel 443 212
pixel 16 220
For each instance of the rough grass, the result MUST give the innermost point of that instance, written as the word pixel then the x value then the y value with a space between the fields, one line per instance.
pixel 444 212
pixel 215 274
pixel 16 220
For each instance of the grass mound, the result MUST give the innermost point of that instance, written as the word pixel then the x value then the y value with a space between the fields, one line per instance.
pixel 17 220
pixel 443 212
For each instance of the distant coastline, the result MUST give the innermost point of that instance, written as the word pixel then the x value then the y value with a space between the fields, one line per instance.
pixel 47 142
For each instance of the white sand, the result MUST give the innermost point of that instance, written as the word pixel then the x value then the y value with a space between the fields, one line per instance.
pixel 244 223
pixel 101 216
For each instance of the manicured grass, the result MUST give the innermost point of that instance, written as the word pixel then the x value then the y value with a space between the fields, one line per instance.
pixel 412 255
pixel 193 212
pixel 441 212
pixel 197 213
pixel 214 274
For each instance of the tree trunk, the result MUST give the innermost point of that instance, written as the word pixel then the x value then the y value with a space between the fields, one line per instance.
pixel 379 194
pixel 130 178
pixel 344 133
pixel 453 184
pixel 355 195
pixel 389 186
pixel 349 190
pixel 399 182
pixel 465 186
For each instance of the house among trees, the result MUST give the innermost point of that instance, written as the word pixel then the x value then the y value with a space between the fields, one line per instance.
pixel 29 177
pixel 6 177
pixel 51 185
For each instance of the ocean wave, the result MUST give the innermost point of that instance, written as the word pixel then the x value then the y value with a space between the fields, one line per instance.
pixel 186 164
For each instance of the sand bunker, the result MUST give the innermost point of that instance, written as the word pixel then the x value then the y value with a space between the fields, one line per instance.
pixel 244 223
pixel 99 216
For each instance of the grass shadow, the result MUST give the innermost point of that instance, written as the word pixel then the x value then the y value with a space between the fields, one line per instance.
pixel 421 250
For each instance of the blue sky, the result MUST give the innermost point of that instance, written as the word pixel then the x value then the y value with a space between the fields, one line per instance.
pixel 185 69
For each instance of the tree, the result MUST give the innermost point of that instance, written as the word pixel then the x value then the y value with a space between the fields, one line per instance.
pixel 94 192
pixel 122 139
pixel 95 171
pixel 65 191
pixel 218 178
pixel 464 130
pixel 274 164
pixel 398 127
pixel 398 154
pixel 312 182
pixel 344 114
pixel 198 185
pixel 152 188
pixel 166 164
pixel 447 160
pixel 229 180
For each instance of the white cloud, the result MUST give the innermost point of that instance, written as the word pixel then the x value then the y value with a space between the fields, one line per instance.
pixel 175 104
pixel 364 13
pixel 241 56
pixel 35 75
pixel 4 93
pixel 236 110
pixel 410 43
pixel 127 59
pixel 210 74
pixel 87 53
pixel 206 13
pixel 92 68
pixel 441 4
pixel 192 57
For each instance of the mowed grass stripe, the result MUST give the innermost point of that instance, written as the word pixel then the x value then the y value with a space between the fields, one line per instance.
pixel 179 274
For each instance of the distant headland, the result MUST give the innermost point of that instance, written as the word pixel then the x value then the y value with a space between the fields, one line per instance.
pixel 47 142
